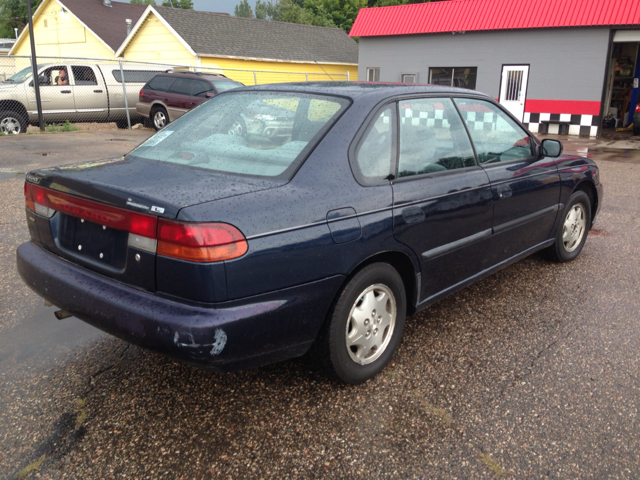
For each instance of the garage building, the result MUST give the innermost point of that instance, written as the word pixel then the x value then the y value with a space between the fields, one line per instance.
pixel 558 66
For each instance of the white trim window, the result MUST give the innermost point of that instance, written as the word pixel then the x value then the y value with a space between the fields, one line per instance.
pixel 373 74
pixel 409 78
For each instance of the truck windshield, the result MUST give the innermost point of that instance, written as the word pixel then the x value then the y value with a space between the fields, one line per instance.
pixel 257 133
pixel 21 76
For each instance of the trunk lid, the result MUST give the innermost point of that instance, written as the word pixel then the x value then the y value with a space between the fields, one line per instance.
pixel 94 192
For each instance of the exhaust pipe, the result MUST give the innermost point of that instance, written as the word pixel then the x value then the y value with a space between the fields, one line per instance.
pixel 61 314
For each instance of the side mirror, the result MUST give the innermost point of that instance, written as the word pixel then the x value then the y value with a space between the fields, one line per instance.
pixel 208 95
pixel 551 148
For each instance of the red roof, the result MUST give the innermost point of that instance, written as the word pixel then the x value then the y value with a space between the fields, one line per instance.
pixel 476 15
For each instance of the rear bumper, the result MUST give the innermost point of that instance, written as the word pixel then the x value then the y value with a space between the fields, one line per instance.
pixel 143 109
pixel 227 336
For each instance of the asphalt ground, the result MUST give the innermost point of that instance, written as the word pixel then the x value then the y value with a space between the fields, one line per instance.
pixel 530 373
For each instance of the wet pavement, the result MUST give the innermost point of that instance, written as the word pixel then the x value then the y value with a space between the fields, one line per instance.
pixel 532 372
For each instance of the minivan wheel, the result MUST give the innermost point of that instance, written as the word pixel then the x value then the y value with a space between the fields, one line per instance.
pixel 573 229
pixel 160 118
pixel 365 325
pixel 12 123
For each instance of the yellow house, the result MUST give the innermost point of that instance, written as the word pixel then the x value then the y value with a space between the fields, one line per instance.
pixel 78 28
pixel 240 46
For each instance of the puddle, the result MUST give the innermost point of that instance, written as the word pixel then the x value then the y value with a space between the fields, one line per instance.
pixel 40 338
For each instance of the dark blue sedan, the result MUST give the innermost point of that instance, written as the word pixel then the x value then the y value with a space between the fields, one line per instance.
pixel 217 246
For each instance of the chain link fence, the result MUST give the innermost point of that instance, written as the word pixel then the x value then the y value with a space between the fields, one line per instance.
pixel 98 90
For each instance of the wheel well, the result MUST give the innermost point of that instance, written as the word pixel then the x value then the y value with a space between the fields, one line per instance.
pixel 403 265
pixel 13 106
pixel 590 189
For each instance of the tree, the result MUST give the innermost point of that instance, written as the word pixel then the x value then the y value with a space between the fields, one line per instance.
pixel 143 2
pixel 13 14
pixel 243 9
pixel 185 4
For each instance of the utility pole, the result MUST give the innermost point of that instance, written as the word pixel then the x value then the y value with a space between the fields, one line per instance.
pixel 34 66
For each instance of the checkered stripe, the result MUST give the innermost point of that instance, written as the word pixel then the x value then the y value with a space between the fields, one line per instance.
pixel 584 125
pixel 435 118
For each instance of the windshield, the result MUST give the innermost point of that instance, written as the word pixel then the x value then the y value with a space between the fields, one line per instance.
pixel 264 134
pixel 224 86
pixel 21 76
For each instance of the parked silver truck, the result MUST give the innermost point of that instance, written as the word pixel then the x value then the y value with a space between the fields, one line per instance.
pixel 74 91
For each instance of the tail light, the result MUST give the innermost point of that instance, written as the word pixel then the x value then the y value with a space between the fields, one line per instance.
pixel 142 93
pixel 638 108
pixel 195 242
pixel 200 242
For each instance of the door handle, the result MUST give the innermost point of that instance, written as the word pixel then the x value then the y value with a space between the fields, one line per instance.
pixel 504 191
pixel 413 215
pixel 97 91
pixel 65 91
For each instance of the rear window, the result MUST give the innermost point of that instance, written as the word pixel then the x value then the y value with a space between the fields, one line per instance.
pixel 224 86
pixel 265 134
pixel 161 83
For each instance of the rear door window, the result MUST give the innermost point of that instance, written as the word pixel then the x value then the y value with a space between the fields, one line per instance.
pixel 432 137
pixel 182 86
pixel 375 153
pixel 161 83
pixel 83 75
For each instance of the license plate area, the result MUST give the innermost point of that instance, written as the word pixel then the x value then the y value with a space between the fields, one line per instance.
pixel 93 242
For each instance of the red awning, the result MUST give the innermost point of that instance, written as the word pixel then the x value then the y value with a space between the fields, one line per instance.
pixel 476 15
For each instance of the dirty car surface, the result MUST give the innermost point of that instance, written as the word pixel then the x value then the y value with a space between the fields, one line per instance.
pixel 223 248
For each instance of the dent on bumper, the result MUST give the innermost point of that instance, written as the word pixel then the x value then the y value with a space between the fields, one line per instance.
pixel 227 336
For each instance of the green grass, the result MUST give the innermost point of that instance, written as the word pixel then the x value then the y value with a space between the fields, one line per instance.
pixel 81 411
pixel 495 468
pixel 65 127
pixel 30 468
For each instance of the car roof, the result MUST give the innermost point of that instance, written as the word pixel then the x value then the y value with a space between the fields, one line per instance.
pixel 198 75
pixel 373 90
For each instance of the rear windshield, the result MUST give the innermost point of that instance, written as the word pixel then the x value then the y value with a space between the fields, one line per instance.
pixel 265 134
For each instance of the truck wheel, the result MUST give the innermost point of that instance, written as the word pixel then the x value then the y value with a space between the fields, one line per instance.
pixel 160 118
pixel 13 122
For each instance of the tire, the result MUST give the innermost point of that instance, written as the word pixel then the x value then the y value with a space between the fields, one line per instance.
pixel 573 230
pixel 159 118
pixel 12 122
pixel 355 345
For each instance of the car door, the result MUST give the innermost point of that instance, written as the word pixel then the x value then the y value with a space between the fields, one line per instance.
pixel 89 93
pixel 525 185
pixel 178 97
pixel 57 100
pixel 442 201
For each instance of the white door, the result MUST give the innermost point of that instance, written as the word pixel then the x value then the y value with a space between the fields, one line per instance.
pixel 513 88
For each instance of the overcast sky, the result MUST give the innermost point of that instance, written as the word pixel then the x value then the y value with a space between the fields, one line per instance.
pixel 223 6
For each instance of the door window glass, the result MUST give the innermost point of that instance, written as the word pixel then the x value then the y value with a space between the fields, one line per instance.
pixel 374 155
pixel 182 86
pixel 201 88
pixel 84 75
pixel 496 136
pixel 54 76
pixel 161 83
pixel 432 137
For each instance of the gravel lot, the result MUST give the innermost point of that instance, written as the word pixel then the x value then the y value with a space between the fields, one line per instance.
pixel 533 372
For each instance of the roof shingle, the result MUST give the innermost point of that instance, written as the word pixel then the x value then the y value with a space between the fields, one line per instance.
pixel 106 22
pixel 215 34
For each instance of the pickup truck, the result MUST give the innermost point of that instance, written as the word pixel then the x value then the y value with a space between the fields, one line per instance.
pixel 90 93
